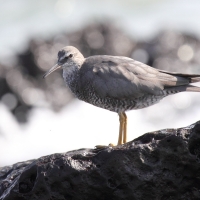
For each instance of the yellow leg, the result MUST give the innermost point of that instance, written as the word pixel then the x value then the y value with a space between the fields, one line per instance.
pixel 122 128
pixel 122 131
pixel 125 128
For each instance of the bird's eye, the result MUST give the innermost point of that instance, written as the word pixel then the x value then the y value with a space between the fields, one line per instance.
pixel 70 55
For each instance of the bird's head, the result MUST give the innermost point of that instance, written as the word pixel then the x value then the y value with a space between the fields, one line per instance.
pixel 68 57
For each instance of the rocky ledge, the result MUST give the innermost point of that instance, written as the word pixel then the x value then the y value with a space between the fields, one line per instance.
pixel 160 165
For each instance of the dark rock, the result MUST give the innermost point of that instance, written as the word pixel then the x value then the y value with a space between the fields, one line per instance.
pixel 160 165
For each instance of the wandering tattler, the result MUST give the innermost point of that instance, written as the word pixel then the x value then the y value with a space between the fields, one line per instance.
pixel 119 83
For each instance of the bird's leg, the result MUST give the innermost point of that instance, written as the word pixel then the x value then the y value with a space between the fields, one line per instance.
pixel 125 128
pixel 122 131
pixel 121 127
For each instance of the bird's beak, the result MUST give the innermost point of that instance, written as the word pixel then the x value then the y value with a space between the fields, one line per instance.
pixel 54 68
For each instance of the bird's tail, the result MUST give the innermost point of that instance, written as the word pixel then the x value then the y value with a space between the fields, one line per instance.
pixel 192 78
pixel 192 88
pixel 184 88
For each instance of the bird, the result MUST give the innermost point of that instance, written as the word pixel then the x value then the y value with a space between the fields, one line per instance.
pixel 118 83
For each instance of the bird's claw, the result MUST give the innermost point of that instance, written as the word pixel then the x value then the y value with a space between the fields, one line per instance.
pixel 104 146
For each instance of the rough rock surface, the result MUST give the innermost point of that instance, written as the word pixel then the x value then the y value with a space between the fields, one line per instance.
pixel 162 165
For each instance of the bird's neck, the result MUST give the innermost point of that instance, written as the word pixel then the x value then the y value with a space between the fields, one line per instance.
pixel 71 76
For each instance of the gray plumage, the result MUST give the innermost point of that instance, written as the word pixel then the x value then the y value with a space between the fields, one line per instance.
pixel 119 83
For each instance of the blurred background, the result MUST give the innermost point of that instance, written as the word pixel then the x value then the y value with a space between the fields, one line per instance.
pixel 40 117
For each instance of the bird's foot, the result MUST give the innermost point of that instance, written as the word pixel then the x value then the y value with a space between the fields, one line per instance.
pixel 104 146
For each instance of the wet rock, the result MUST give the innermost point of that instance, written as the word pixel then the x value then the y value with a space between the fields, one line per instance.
pixel 159 165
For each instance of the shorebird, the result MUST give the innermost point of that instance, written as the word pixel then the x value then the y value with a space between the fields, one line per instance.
pixel 119 83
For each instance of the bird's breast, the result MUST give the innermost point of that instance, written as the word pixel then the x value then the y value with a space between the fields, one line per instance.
pixel 71 79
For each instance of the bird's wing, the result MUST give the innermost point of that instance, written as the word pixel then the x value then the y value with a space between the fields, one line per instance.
pixel 121 77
